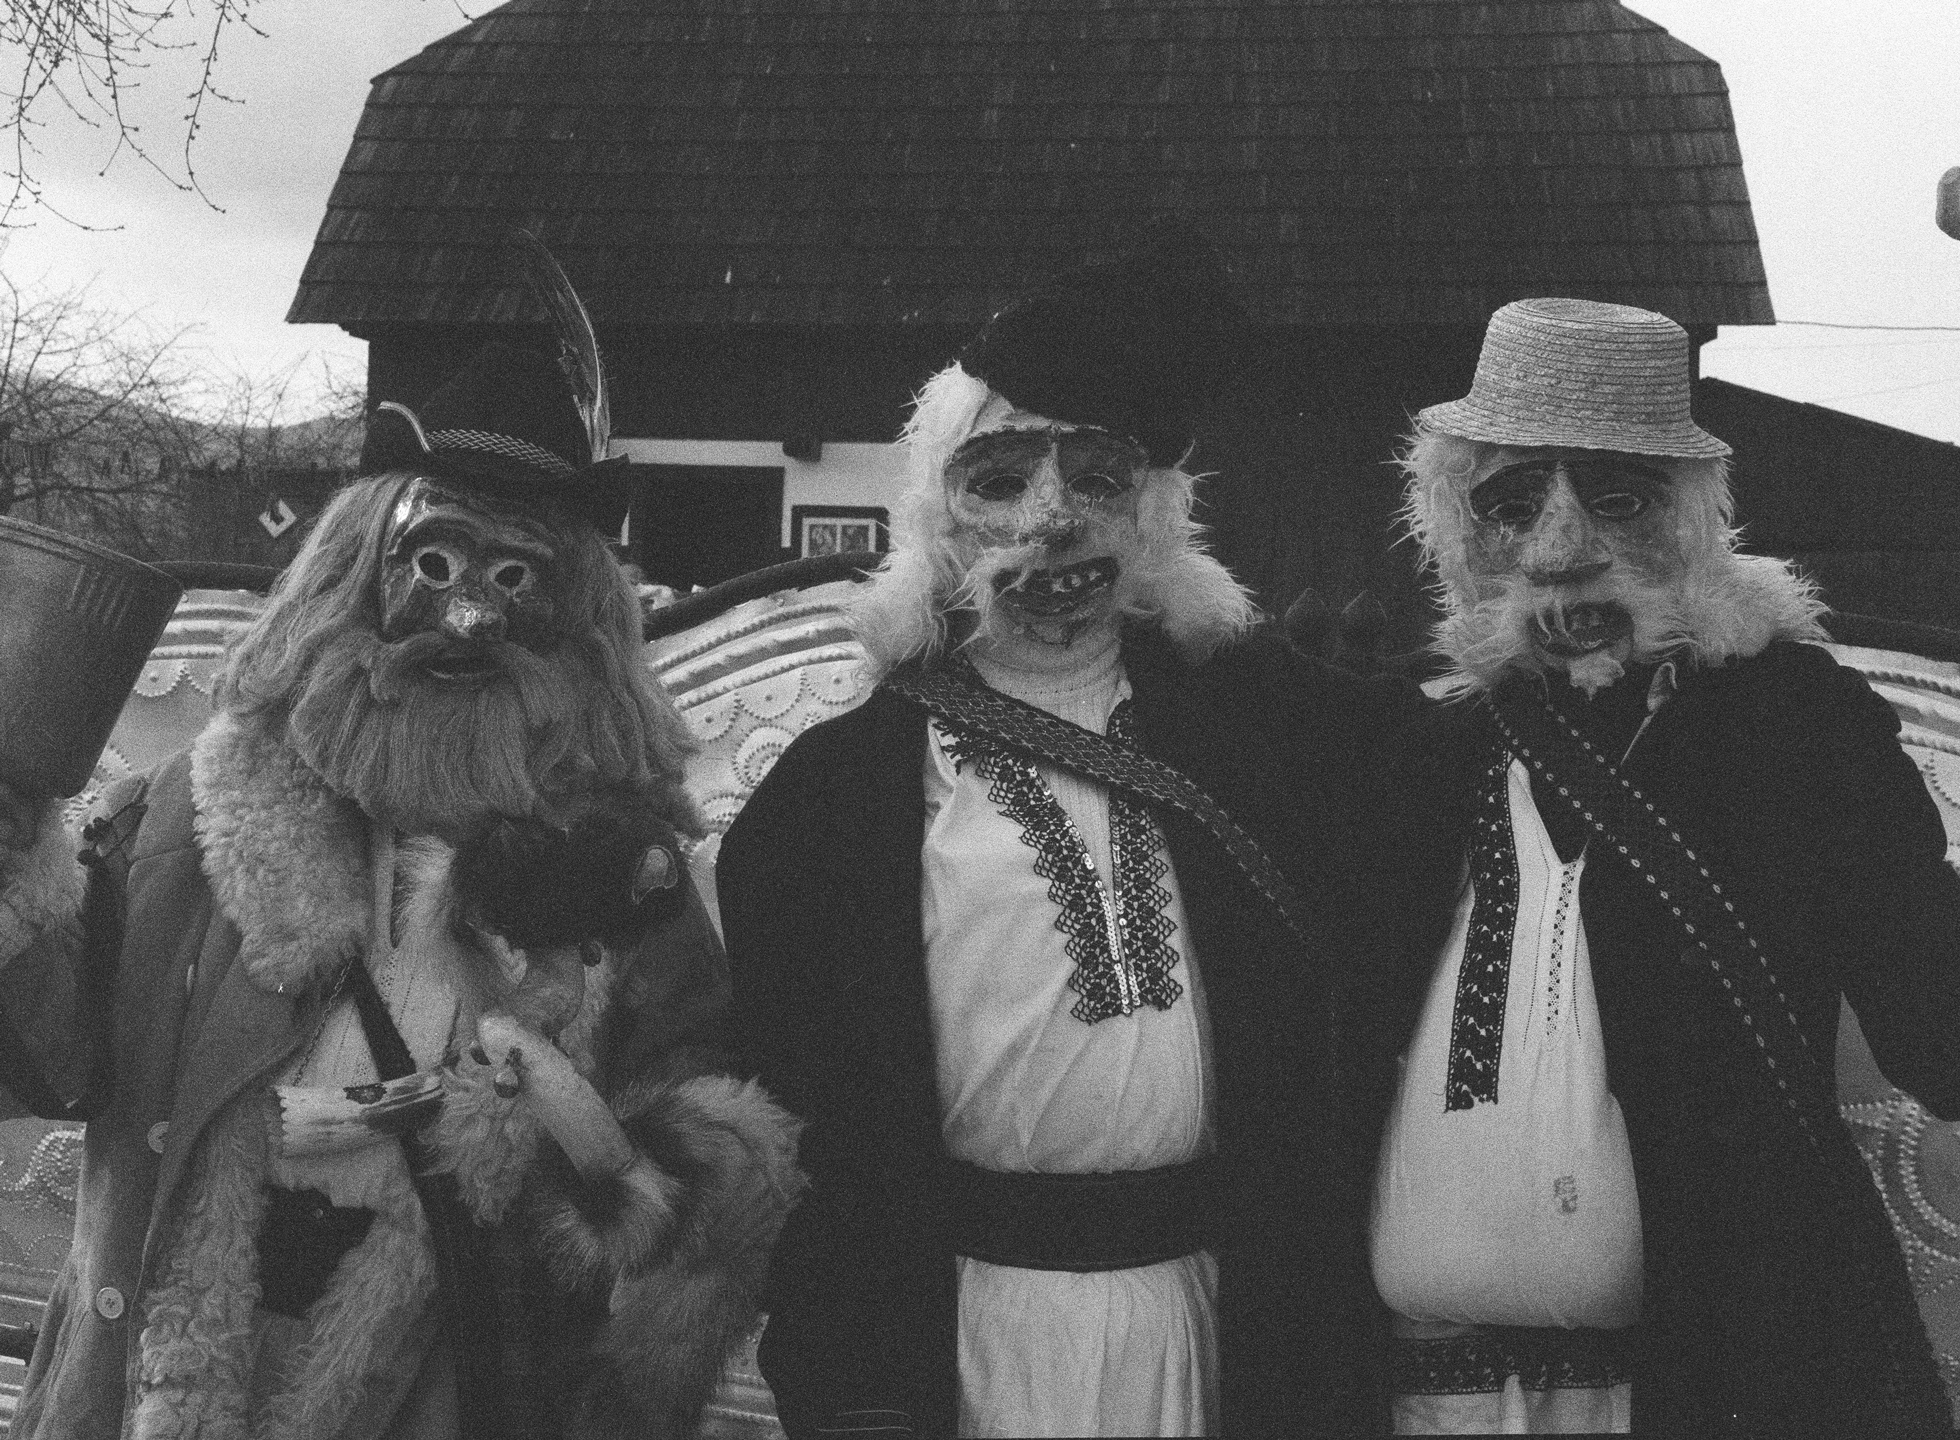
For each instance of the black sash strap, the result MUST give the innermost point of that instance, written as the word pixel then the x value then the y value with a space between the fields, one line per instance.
pixel 1105 1220
pixel 466 1291
pixel 1632 829
pixel 954 696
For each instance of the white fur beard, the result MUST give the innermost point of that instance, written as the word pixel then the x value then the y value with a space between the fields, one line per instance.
pixel 1500 635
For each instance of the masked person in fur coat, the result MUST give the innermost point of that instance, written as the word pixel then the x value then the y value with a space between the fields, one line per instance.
pixel 1614 1188
pixel 1036 940
pixel 379 1002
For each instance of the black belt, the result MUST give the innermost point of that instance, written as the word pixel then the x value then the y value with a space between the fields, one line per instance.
pixel 1105 1220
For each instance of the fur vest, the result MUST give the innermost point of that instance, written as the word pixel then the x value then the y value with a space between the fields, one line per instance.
pixel 285 863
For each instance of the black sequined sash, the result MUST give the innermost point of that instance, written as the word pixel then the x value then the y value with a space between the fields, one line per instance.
pixel 1630 830
pixel 962 702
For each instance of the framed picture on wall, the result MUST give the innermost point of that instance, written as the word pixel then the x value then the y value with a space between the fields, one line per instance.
pixel 838 529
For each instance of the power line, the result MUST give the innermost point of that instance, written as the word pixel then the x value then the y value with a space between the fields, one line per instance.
pixel 1728 349
pixel 1842 325
pixel 1893 390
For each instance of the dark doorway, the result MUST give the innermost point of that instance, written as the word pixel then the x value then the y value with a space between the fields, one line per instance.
pixel 700 524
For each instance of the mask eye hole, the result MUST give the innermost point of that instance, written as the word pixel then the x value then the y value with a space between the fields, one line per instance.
pixel 1514 511
pixel 1001 485
pixel 1618 505
pixel 1097 486
pixel 437 567
pixel 512 575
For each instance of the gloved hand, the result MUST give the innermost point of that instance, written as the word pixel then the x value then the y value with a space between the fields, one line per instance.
pixel 610 873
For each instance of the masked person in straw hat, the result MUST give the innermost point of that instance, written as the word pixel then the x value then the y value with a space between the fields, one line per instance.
pixel 377 1001
pixel 1037 939
pixel 1613 1184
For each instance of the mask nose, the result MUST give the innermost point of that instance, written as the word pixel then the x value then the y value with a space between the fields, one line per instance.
pixel 1048 520
pixel 1564 549
pixel 1051 530
pixel 470 614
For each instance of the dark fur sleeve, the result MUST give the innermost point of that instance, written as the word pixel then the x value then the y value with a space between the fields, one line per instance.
pixel 683 1260
pixel 686 1284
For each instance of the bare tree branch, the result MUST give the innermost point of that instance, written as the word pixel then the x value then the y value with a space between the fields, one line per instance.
pixel 86 59
pixel 85 396
pixel 117 428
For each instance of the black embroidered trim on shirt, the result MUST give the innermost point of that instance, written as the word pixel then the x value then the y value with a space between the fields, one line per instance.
pixel 1107 985
pixel 1140 864
pixel 1477 1024
pixel 1480 1363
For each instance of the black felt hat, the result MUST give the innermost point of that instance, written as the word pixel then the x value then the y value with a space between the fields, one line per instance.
pixel 506 425
pixel 1132 345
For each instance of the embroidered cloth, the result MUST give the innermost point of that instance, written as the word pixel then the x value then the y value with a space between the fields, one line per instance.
pixel 954 695
pixel 1026 1085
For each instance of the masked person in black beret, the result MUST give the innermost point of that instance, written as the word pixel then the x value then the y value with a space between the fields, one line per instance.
pixel 1614 1187
pixel 1036 941
pixel 377 1002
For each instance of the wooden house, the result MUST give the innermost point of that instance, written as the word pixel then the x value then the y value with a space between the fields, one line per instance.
pixel 1873 513
pixel 785 214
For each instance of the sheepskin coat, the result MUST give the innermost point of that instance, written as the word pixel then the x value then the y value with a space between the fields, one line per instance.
pixel 159 992
pixel 1783 771
pixel 820 881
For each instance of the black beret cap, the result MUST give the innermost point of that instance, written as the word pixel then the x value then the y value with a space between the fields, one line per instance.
pixel 1132 345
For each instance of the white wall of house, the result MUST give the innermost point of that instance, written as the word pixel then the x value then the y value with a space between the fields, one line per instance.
pixel 845 474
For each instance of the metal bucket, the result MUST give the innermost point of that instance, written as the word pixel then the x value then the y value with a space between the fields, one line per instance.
pixel 77 621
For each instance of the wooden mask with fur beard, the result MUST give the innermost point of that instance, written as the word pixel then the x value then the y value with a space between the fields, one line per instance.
pixel 1022 516
pixel 1584 561
pixel 1044 525
pixel 1582 546
pixel 440 659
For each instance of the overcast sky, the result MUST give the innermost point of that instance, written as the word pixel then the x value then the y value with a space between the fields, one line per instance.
pixel 1845 110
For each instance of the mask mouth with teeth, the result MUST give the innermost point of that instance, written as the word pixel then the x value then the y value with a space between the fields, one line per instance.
pixel 1571 631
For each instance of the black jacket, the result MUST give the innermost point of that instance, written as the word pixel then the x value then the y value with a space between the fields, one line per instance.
pixel 1784 773
pixel 819 882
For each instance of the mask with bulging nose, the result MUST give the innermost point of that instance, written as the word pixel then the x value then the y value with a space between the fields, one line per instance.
pixel 1586 540
pixel 465 578
pixel 1044 520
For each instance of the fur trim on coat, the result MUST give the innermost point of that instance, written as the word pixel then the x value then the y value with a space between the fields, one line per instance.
pixel 728 1141
pixel 288 864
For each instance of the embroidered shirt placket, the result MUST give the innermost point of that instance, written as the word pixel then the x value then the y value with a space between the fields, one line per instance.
pixel 1125 975
pixel 1130 940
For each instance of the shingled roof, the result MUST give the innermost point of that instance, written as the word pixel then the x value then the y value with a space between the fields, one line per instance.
pixel 870 161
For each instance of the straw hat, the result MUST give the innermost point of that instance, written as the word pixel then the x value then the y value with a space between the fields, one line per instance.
pixel 1580 373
